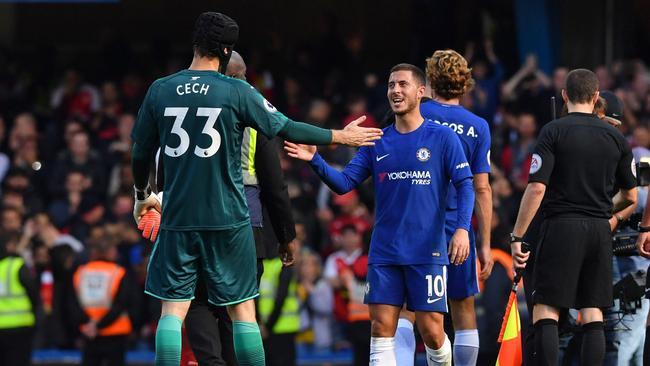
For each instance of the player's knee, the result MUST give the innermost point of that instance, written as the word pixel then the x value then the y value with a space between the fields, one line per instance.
pixel 434 337
pixel 383 327
pixel 431 329
pixel 463 314
pixel 543 311
pixel 244 311
pixel 589 315
pixel 176 308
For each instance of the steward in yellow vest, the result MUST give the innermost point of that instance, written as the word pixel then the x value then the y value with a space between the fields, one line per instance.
pixel 278 311
pixel 18 304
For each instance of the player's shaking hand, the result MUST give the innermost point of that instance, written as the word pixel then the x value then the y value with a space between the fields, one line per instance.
pixel 355 135
pixel 300 151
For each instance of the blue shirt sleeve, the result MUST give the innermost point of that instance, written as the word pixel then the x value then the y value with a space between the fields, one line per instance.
pixel 357 170
pixel 460 175
pixel 481 160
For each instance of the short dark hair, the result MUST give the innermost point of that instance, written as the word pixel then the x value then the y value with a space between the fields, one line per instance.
pixel 417 72
pixel 213 32
pixel 581 85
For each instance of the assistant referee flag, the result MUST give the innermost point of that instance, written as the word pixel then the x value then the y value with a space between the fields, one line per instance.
pixel 510 335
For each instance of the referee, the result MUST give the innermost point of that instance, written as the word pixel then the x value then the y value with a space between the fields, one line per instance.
pixel 578 159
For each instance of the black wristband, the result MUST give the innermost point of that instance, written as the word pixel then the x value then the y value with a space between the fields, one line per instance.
pixel 515 239
pixel 141 195
pixel 644 229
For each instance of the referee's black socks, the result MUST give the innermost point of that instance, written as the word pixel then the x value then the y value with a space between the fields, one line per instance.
pixel 546 342
pixel 593 344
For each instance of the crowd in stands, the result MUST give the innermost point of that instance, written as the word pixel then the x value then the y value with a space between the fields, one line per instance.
pixel 66 181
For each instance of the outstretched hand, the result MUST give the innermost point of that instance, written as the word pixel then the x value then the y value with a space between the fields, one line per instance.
pixel 355 135
pixel 300 151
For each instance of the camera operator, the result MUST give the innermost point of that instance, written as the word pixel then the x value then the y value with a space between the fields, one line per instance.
pixel 578 158
pixel 625 322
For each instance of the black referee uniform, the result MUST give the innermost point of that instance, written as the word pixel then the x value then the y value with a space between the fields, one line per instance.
pixel 580 159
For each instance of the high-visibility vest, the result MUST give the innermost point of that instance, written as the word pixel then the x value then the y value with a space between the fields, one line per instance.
pixel 15 305
pixel 96 285
pixel 248 149
pixel 289 320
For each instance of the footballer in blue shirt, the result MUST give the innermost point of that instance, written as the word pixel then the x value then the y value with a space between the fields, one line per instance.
pixel 411 168
pixel 450 78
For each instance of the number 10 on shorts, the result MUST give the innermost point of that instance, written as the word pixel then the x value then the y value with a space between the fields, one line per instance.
pixel 436 285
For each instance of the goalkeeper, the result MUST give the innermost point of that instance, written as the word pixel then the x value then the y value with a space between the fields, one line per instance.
pixel 197 117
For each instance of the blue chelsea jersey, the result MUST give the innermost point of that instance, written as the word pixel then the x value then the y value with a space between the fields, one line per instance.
pixel 411 174
pixel 474 135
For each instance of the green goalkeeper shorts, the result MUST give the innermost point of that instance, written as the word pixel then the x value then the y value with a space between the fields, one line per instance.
pixel 225 258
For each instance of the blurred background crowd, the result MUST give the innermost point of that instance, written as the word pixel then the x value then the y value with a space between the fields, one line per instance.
pixel 66 183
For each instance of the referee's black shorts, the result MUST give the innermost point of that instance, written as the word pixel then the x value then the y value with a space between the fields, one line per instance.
pixel 573 266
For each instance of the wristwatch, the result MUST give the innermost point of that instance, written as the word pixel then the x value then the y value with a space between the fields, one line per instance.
pixel 141 195
pixel 644 229
pixel 515 239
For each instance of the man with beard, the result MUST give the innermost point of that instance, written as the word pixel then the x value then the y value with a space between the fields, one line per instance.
pixel 411 168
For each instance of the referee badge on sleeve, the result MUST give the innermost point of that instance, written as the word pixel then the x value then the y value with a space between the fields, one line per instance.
pixel 535 164
pixel 633 168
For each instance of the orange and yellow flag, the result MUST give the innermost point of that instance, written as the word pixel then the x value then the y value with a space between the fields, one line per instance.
pixel 510 335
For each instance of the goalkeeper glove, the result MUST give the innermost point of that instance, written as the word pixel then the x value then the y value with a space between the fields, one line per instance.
pixel 150 224
pixel 144 201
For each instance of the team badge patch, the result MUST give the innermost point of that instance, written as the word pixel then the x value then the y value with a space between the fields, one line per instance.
pixel 535 164
pixel 423 154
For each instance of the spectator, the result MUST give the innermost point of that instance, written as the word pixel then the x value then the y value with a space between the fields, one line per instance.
pixel 317 302
pixel 121 147
pixel 346 271
pixel 357 107
pixel 12 219
pixel 350 211
pixel 74 98
pixel 66 211
pixel 485 95
pixel 18 181
pixel 515 159
pixel 80 156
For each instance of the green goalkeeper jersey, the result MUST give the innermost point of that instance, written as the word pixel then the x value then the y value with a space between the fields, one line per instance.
pixel 197 118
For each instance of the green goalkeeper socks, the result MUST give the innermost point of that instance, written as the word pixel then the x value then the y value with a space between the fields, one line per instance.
pixel 248 344
pixel 168 341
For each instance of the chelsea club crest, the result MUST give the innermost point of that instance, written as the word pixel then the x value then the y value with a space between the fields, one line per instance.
pixel 423 154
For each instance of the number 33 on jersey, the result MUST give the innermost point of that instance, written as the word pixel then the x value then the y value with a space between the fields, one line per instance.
pixel 197 118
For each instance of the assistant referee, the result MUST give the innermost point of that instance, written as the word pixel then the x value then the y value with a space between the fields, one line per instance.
pixel 578 159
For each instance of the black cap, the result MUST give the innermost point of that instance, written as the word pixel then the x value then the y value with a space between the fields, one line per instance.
pixel 212 27
pixel 215 35
pixel 613 106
